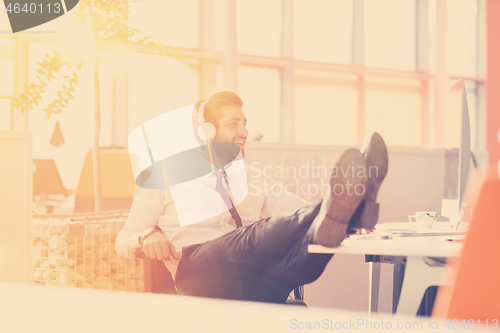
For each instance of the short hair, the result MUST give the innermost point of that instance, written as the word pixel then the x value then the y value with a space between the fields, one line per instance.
pixel 212 112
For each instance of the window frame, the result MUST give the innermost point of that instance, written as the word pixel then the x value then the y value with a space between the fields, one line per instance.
pixel 434 84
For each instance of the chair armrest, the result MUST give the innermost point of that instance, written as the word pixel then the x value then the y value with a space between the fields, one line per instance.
pixel 157 279
pixel 140 253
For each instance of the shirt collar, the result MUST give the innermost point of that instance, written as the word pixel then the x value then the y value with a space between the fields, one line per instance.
pixel 229 172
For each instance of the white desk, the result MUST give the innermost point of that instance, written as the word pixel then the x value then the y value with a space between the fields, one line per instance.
pixel 417 249
pixel 32 308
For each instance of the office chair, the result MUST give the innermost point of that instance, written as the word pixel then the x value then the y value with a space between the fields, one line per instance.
pixel 117 181
pixel 158 280
pixel 475 293
pixel 48 188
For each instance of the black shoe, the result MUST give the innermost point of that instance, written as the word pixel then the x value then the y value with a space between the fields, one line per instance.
pixel 375 152
pixel 347 191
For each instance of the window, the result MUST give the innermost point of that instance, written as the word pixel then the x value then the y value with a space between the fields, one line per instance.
pixel 462 37
pixel 4 114
pixel 353 70
pixel 323 30
pixel 326 109
pixel 4 22
pixel 259 27
pixel 7 68
pixel 7 80
pixel 220 24
pixel 260 90
pixel 172 22
pixel 159 84
pixel 390 34
pixel 394 109
pixel 219 78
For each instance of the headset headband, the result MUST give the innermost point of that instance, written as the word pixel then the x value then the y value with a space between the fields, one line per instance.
pixel 201 112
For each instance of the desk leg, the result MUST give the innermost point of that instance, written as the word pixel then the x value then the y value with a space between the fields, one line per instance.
pixel 373 286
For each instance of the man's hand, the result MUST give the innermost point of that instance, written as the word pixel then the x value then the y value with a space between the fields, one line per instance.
pixel 157 246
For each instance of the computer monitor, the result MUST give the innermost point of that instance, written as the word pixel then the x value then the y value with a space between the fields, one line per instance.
pixel 457 152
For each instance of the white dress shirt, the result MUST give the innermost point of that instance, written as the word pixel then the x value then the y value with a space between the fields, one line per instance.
pixel 265 198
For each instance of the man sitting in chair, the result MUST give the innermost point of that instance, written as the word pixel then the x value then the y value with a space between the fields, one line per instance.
pixel 266 258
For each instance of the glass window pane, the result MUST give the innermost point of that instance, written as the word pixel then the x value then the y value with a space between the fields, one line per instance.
pixel 323 30
pixel 220 23
pixel 4 22
pixel 4 114
pixel 7 47
pixel 7 66
pixel 76 121
pixel 259 27
pixel 172 22
pixel 260 90
pixel 390 34
pixel 219 78
pixel 433 31
pixel 326 109
pixel 159 84
pixel 462 37
pixel 394 109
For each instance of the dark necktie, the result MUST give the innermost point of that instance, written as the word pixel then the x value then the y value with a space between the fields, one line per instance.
pixel 219 188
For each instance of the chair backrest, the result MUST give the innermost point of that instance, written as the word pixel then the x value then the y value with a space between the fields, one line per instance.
pixel 117 181
pixel 46 178
pixel 475 293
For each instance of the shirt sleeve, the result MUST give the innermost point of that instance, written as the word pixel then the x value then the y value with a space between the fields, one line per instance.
pixel 278 200
pixel 145 212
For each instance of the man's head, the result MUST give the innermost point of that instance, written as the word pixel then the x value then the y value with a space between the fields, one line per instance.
pixel 224 110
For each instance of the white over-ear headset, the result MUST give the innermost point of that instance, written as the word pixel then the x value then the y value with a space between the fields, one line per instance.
pixel 206 130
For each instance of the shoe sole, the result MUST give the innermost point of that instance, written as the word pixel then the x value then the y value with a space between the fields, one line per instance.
pixel 375 153
pixel 344 199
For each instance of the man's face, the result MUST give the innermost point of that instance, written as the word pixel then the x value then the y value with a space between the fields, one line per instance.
pixel 232 127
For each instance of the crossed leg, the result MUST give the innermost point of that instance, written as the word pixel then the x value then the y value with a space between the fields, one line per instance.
pixel 263 261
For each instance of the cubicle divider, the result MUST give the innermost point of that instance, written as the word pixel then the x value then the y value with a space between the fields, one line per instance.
pixel 16 182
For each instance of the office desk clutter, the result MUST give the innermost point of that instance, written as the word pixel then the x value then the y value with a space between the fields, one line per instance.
pixel 424 219
pixel 393 230
pixel 78 251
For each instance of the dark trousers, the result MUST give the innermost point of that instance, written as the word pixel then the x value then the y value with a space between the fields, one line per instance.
pixel 263 261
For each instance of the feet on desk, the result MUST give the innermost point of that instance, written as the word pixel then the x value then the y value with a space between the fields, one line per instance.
pixel 375 152
pixel 348 187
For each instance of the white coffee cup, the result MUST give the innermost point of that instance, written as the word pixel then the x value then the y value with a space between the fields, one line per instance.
pixel 423 219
